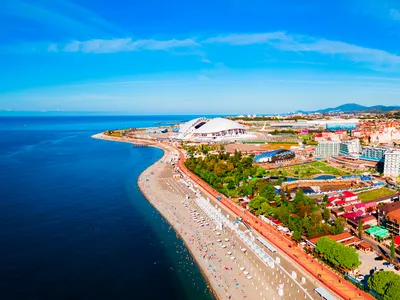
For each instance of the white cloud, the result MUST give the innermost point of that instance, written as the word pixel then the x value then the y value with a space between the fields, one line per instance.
pixel 306 44
pixel 247 39
pixel 126 45
pixel 366 57
pixel 60 16
pixel 52 48
pixel 203 78
pixel 206 61
pixel 394 14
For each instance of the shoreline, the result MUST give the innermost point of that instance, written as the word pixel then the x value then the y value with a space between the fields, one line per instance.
pixel 208 279
pixel 148 198
pixel 229 270
pixel 272 278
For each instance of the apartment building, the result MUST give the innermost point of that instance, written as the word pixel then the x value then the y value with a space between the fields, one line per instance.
pixel 392 164
pixel 327 149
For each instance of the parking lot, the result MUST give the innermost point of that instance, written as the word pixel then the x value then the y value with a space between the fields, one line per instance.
pixel 370 265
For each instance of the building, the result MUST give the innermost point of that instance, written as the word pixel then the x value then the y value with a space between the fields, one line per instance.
pixel 366 220
pixel 274 156
pixel 157 130
pixel 350 147
pixel 345 238
pixel 377 232
pixel 389 217
pixel 374 153
pixel 211 129
pixel 367 206
pixel 341 134
pixel 327 149
pixel 365 247
pixel 392 163
pixel 345 199
pixel 392 222
pixel 369 220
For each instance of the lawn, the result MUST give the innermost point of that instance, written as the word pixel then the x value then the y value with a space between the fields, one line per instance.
pixel 375 194
pixel 311 170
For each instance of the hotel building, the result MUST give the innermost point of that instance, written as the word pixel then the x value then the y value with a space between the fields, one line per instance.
pixel 389 217
pixel 392 164
pixel 351 147
pixel 327 149
pixel 374 153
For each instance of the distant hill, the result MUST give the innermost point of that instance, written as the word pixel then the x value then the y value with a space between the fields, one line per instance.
pixel 353 107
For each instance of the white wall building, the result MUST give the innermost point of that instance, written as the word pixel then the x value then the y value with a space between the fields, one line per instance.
pixel 351 147
pixel 327 149
pixel 392 164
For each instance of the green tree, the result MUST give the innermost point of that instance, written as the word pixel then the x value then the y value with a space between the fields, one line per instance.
pixel 325 199
pixel 380 281
pixel 323 245
pixel 360 229
pixel 231 185
pixel 260 172
pixel 255 204
pixel 267 191
pixel 326 214
pixel 283 196
pixel 338 226
pixel 279 181
pixel 283 213
pixel 337 254
pixel 278 200
pixel 296 236
pixel 393 291
pixel 316 218
pixel 266 209
pixel 392 246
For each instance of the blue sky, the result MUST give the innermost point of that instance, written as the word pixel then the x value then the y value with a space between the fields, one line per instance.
pixel 226 56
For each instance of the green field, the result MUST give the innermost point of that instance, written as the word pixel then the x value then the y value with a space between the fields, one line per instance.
pixel 311 170
pixel 375 194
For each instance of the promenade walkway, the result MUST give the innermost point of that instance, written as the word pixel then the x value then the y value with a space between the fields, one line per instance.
pixel 329 279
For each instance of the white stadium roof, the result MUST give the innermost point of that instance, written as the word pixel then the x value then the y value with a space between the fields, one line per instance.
pixel 185 126
pixel 219 124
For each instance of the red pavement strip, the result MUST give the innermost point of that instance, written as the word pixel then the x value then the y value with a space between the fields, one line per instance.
pixel 342 288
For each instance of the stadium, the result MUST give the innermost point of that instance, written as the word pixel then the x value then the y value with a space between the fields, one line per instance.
pixel 212 129
pixel 274 156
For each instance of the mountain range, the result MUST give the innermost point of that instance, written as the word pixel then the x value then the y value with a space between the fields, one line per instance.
pixel 353 107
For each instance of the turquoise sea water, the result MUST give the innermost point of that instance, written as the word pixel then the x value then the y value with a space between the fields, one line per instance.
pixel 73 224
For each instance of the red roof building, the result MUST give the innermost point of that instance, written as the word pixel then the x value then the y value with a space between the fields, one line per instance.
pixel 345 238
pixel 345 199
pixel 347 196
pixel 369 220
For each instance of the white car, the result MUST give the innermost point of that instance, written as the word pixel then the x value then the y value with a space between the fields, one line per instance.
pixel 360 277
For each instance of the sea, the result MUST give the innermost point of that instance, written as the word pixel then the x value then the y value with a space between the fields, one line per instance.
pixel 73 223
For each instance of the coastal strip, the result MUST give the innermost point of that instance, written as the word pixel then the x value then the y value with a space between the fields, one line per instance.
pixel 231 272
